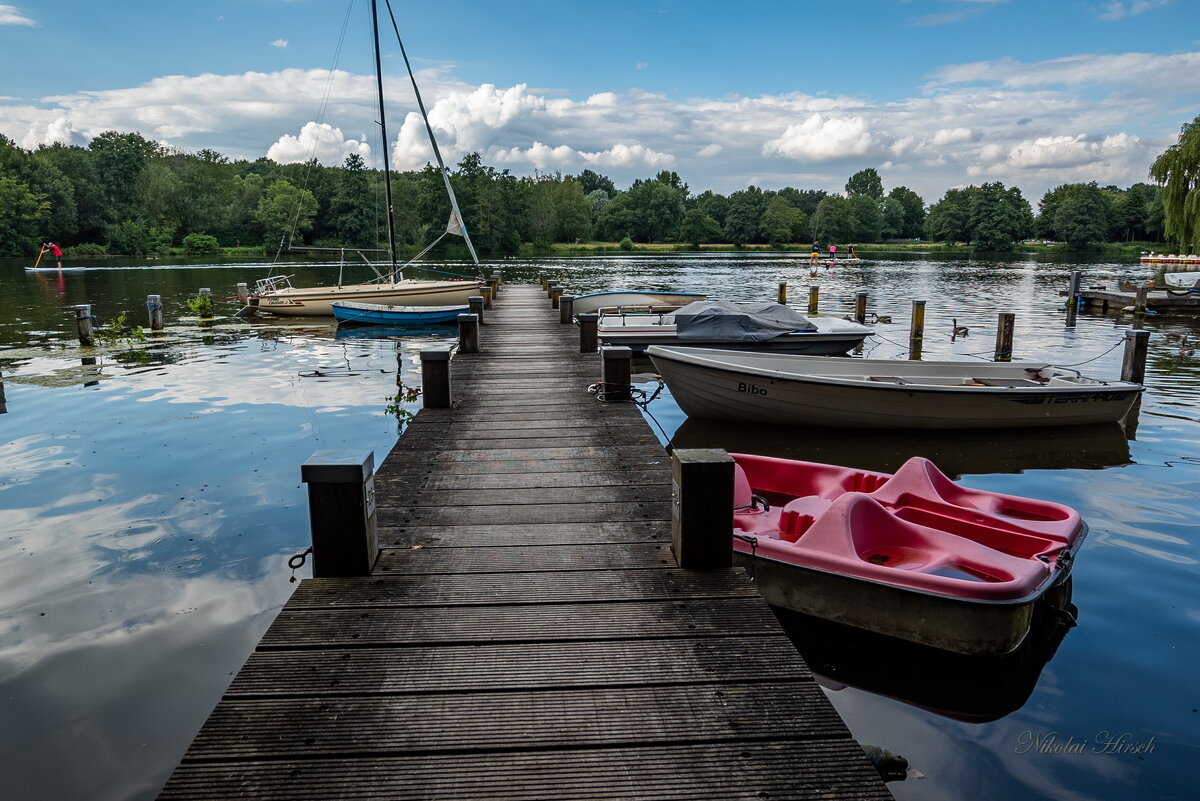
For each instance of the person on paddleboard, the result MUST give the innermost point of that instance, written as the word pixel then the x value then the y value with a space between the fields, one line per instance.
pixel 815 256
pixel 55 250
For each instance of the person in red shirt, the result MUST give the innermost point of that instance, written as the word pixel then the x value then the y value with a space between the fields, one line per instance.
pixel 56 250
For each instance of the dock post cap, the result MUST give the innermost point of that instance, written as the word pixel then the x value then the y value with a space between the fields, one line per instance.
pixel 616 352
pixel 702 455
pixel 465 318
pixel 437 354
pixel 1135 333
pixel 338 467
pixel 589 316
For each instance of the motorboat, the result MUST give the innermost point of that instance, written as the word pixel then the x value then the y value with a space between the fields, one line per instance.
pixel 912 554
pixel 874 393
pixel 616 298
pixel 757 326
pixel 381 314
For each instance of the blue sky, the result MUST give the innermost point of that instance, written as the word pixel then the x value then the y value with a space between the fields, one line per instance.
pixel 932 93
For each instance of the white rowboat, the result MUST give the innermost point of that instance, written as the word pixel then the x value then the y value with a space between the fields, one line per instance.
pixel 868 393
pixel 593 301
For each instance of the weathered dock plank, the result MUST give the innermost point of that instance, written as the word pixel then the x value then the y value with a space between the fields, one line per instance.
pixel 526 633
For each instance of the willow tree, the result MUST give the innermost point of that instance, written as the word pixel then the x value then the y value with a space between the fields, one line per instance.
pixel 1178 170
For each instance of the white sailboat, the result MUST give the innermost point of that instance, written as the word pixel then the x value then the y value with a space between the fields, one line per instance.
pixel 276 295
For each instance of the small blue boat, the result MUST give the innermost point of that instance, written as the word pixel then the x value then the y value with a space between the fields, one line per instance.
pixel 379 314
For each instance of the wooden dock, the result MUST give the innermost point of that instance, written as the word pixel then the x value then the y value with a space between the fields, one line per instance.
pixel 1157 300
pixel 526 633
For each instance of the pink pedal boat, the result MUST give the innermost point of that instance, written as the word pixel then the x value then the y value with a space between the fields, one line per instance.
pixel 912 555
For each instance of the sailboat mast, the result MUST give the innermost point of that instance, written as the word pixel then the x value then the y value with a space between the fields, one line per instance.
pixel 387 168
pixel 432 139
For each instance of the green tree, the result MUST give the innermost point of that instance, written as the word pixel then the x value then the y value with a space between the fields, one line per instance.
pixel 1081 217
pixel 698 228
pixel 998 217
pixel 121 162
pixel 742 216
pixel 781 223
pixel 914 211
pixel 22 217
pixel 833 220
pixel 46 182
pixel 352 215
pixel 865 182
pixel 712 204
pixel 891 215
pixel 867 221
pixel 617 218
pixel 573 210
pixel 591 181
pixel 949 220
pixel 658 210
pixel 283 211
pixel 1178 170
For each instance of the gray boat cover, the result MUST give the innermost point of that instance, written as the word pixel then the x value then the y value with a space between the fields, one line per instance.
pixel 738 322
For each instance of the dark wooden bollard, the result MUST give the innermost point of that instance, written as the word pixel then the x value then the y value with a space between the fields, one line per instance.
pixel 468 333
pixel 566 307
pixel 616 382
pixel 542 280
pixel 155 308
pixel 587 332
pixel 83 323
pixel 1139 300
pixel 486 293
pixel 550 288
pixel 556 297
pixel 435 378
pixel 1004 336
pixel 814 297
pixel 494 285
pixel 1137 347
pixel 498 279
pixel 475 304
pixel 702 508
pixel 860 306
pixel 782 295
pixel 341 511
pixel 916 330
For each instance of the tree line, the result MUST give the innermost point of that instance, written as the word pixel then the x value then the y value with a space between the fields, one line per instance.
pixel 125 194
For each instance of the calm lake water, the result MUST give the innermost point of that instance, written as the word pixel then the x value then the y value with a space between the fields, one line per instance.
pixel 150 497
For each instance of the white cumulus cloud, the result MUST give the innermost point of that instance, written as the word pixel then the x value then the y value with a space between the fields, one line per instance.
pixel 279 43
pixel 11 15
pixel 321 141
pixel 823 138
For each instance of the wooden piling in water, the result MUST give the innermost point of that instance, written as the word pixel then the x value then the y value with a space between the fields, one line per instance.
pixel 1137 348
pixel 1139 300
pixel 616 381
pixel 588 335
pixel 435 378
pixel 468 333
pixel 702 508
pixel 1005 324
pixel 556 297
pixel 566 305
pixel 814 297
pixel 781 297
pixel 154 307
pixel 341 511
pixel 243 292
pixel 475 304
pixel 83 323
pixel 916 330
pixel 860 306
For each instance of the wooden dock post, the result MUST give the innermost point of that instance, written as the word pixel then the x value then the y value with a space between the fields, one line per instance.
pixel 468 333
pixel 814 297
pixel 83 323
pixel 1137 347
pixel 782 296
pixel 616 381
pixel 341 512
pixel 499 277
pixel 1139 301
pixel 542 280
pixel 916 330
pixel 243 292
pixel 555 296
pixel 566 305
pixel 587 332
pixel 435 378
pixel 486 293
pixel 154 306
pixel 494 283
pixel 550 287
pixel 1004 336
pixel 475 304
pixel 702 508
pixel 860 307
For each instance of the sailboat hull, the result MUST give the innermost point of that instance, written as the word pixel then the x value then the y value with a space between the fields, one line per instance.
pixel 318 301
